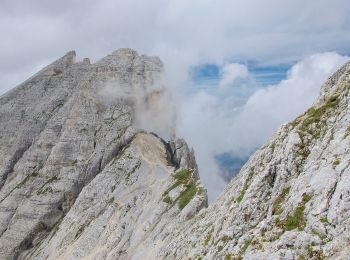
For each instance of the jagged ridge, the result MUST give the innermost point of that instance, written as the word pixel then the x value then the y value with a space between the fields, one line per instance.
pixel 71 161
pixel 78 180
pixel 291 200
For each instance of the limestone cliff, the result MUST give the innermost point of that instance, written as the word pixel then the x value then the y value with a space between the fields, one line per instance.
pixel 80 179
pixel 291 200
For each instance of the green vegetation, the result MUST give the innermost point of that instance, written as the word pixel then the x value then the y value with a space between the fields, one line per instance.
pixel 256 245
pixel 245 247
pixel 34 173
pixel 182 177
pixel 245 187
pixel 295 220
pixel 273 146
pixel 167 199
pixel 314 116
pixel 228 257
pixel 137 165
pixel 41 190
pixel 313 123
pixel 187 195
pixel 347 132
pixel 306 198
pixel 324 238
pixel 171 188
pixel 324 220
pixel 335 163
pixel 23 181
pixel 317 254
pixel 207 240
pixel 225 239
pixel 277 208
pixel 121 152
pixel 121 252
pixel 80 231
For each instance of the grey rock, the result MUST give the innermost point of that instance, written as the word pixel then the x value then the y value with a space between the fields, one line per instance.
pixel 64 176
pixel 290 200
pixel 82 179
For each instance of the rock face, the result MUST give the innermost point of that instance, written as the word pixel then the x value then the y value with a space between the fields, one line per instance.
pixel 81 180
pixel 78 179
pixel 291 200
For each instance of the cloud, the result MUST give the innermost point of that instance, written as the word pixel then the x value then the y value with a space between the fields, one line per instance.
pixel 153 107
pixel 183 33
pixel 187 33
pixel 269 107
pixel 215 125
pixel 232 72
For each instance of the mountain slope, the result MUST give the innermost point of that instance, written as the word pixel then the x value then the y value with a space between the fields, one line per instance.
pixel 291 200
pixel 64 136
pixel 80 179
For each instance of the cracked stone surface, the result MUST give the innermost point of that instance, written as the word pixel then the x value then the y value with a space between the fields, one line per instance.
pixel 79 180
pixel 66 185
pixel 291 200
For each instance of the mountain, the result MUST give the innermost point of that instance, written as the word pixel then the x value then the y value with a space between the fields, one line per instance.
pixel 82 177
pixel 77 177
pixel 291 200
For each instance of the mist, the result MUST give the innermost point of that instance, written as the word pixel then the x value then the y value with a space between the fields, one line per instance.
pixel 153 107
pixel 214 124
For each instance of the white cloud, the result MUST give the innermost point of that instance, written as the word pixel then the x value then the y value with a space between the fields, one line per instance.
pixel 186 33
pixel 232 72
pixel 213 125
pixel 270 107
pixel 183 32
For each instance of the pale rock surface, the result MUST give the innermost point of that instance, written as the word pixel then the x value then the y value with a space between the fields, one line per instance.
pixel 77 178
pixel 80 181
pixel 291 200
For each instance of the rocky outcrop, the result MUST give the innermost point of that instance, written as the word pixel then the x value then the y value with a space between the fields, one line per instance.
pixel 77 177
pixel 291 200
pixel 81 179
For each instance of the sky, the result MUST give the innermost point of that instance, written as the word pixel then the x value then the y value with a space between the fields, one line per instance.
pixel 237 69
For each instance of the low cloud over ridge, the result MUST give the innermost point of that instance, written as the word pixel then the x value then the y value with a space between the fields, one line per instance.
pixel 214 126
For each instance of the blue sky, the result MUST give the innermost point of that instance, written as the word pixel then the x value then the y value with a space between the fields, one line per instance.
pixel 209 74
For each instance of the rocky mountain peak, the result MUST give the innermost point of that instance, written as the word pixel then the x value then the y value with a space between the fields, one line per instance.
pixel 329 88
pixel 75 157
pixel 82 177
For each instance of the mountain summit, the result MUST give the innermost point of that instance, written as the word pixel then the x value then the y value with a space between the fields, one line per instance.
pixel 81 177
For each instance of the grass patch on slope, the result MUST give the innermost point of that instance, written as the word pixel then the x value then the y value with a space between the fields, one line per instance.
pixel 182 177
pixel 245 187
pixel 277 208
pixel 296 219
pixel 187 195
